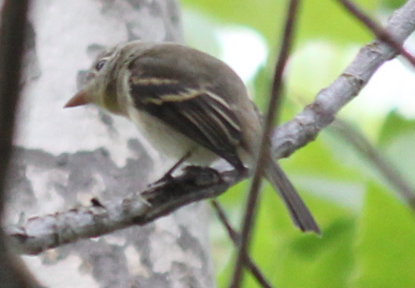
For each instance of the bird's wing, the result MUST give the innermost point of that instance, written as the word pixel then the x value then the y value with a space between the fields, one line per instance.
pixel 197 113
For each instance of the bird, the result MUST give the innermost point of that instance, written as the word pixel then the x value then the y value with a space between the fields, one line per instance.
pixel 186 102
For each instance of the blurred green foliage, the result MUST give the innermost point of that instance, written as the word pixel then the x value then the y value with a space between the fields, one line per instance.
pixel 319 19
pixel 393 4
pixel 368 231
pixel 384 240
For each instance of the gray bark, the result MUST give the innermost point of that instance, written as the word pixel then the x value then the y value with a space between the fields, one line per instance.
pixel 65 158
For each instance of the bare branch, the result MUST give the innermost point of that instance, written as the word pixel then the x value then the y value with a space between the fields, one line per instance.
pixel 305 126
pixel 42 233
pixel 381 163
pixel 235 237
pixel 377 29
pixel 273 107
pixel 50 231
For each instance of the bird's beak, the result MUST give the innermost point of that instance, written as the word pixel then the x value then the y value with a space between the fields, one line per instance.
pixel 77 100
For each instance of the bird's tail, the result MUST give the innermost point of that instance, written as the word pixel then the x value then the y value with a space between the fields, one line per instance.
pixel 300 214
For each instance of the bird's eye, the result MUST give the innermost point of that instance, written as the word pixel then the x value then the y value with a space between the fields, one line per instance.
pixel 100 64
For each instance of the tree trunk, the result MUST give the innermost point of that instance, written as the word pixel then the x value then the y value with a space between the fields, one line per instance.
pixel 65 158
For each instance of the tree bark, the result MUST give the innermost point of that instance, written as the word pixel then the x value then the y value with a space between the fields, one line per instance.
pixel 64 158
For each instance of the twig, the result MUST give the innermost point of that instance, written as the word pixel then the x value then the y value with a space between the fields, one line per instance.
pixel 289 136
pixel 235 237
pixel 273 107
pixel 380 162
pixel 305 126
pixel 377 29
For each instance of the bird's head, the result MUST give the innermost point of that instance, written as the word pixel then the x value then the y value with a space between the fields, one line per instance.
pixel 109 71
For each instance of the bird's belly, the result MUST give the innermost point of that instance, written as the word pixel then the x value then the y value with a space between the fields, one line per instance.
pixel 170 142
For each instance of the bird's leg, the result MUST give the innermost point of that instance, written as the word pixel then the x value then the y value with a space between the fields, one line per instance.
pixel 168 175
pixel 177 165
pixel 243 171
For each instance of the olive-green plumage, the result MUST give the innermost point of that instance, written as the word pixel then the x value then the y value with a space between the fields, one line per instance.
pixel 186 101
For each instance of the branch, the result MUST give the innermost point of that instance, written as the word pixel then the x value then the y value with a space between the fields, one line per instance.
pixel 273 108
pixel 304 128
pixel 377 29
pixel 236 237
pixel 380 162
pixel 50 231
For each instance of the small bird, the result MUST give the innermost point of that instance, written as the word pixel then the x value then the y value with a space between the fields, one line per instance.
pixel 186 102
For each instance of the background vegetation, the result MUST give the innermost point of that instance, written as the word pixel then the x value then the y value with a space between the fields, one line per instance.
pixel 368 230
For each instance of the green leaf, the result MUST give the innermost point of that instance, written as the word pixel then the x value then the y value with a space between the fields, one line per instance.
pixel 384 251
